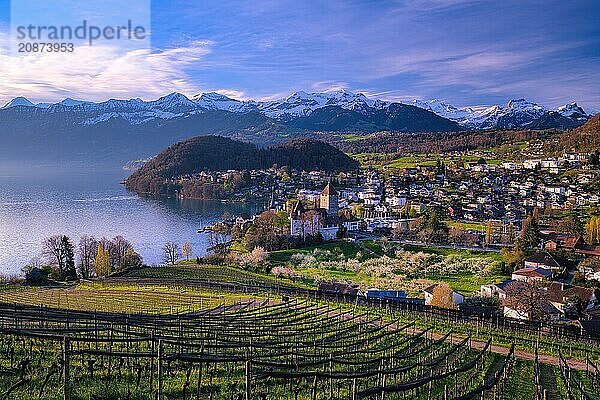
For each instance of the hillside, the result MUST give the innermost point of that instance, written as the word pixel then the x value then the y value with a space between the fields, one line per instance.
pixel 216 153
pixel 585 138
pixel 396 117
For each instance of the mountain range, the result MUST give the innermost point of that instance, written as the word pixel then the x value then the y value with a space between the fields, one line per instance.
pixel 304 110
pixel 122 130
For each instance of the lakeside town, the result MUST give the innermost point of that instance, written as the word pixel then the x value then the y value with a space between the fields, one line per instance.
pixel 535 216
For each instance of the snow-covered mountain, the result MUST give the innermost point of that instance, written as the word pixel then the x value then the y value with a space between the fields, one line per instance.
pixel 300 105
pixel 514 114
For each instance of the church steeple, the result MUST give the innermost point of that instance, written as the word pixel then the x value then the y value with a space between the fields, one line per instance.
pixel 329 200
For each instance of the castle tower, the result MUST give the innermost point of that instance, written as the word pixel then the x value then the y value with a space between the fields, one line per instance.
pixel 329 200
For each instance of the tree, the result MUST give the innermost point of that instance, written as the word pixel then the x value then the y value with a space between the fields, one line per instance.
pixel 530 234
pixel 528 300
pixel 58 250
pixel 594 159
pixel 120 247
pixel 107 245
pixel 512 258
pixel 171 252
pixel 102 265
pixel 37 276
pixel 187 250
pixel 52 251
pixel 88 249
pixel 574 307
pixel 488 233
pixel 69 272
pixel 592 231
pixel 443 296
pixel 432 227
pixel 259 256
pixel 132 259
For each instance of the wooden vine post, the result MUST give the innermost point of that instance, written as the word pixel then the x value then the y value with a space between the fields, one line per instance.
pixel 160 370
pixel 66 361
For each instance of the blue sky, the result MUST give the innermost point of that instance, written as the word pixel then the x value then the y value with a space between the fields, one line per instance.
pixel 463 52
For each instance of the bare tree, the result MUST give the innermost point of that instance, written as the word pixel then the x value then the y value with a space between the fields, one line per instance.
pixel 120 247
pixel 88 249
pixel 528 300
pixel 171 252
pixel 52 250
pixel 187 250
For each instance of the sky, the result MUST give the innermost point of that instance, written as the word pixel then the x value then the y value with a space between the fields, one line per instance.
pixel 460 51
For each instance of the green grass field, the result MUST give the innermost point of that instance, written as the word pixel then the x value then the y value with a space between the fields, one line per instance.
pixel 345 248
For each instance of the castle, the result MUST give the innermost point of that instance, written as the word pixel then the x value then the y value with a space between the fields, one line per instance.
pixel 323 219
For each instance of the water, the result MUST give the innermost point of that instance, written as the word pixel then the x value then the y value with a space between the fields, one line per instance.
pixel 45 202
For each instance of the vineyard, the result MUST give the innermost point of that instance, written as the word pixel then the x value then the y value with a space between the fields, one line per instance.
pixel 120 298
pixel 255 350
pixel 208 273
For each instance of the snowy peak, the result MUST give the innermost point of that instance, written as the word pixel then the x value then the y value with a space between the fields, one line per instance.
pixel 300 104
pixel 69 102
pixel 571 110
pixel 19 101
pixel 218 101
pixel 174 102
pixel 516 113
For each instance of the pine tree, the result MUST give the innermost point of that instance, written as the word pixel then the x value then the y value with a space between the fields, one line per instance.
pixel 530 235
pixel 68 263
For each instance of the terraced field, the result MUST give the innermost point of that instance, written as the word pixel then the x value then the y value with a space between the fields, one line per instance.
pixel 254 350
pixel 208 273
pixel 119 298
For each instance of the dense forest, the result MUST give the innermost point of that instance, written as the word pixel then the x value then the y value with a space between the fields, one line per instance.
pixel 216 153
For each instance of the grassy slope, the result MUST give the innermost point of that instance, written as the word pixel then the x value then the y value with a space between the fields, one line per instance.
pixel 120 298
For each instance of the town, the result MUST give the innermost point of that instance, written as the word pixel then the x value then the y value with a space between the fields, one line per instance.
pixel 475 206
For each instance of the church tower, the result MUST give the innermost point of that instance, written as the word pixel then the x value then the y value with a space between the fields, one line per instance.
pixel 329 200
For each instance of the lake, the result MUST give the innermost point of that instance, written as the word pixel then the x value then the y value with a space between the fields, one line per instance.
pixel 48 201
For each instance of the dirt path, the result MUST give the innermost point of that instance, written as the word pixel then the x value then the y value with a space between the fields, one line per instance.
pixel 543 358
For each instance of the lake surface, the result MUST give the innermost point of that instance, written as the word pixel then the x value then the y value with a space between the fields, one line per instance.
pixel 45 202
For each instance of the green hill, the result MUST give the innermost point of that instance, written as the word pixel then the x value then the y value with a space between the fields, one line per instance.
pixel 216 153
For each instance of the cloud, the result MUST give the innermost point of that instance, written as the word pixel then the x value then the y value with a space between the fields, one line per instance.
pixel 99 72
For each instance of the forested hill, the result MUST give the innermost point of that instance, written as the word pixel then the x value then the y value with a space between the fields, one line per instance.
pixel 216 153
pixel 584 138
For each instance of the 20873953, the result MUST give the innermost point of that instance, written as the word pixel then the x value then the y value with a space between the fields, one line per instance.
pixel 45 47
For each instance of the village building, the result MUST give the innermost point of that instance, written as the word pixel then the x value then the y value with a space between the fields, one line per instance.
pixel 559 294
pixel 532 274
pixel 543 259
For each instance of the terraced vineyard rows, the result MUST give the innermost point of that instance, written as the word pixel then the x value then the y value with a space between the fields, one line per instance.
pixel 295 350
pixel 117 298
pixel 207 273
